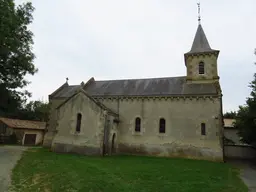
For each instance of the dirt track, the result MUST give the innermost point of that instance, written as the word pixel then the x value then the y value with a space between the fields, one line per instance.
pixel 9 155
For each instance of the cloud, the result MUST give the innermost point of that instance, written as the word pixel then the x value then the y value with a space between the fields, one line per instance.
pixel 135 39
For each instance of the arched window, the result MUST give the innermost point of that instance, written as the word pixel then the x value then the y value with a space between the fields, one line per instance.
pixel 203 131
pixel 78 122
pixel 137 124
pixel 201 68
pixel 162 125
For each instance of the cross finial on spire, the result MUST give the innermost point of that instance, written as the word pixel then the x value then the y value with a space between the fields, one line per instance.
pixel 199 15
pixel 66 79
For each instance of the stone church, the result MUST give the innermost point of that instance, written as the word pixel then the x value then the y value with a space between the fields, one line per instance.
pixel 164 116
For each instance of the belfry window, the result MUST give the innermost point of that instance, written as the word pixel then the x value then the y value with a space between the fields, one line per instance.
pixel 203 131
pixel 162 125
pixel 78 122
pixel 201 68
pixel 137 124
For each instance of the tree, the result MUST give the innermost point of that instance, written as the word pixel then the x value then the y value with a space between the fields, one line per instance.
pixel 230 115
pixel 35 110
pixel 16 57
pixel 246 117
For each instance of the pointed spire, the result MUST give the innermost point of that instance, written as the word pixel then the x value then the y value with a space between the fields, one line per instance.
pixel 200 43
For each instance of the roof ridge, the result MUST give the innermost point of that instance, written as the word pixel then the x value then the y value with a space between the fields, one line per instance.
pixel 141 78
pixel 98 103
pixel 59 89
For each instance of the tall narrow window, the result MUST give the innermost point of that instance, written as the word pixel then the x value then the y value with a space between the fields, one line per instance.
pixel 162 125
pixel 137 124
pixel 78 122
pixel 203 132
pixel 201 68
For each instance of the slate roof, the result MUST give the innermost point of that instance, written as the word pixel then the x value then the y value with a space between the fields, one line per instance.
pixel 66 91
pixel 200 43
pixel 149 87
pixel 165 86
pixel 23 124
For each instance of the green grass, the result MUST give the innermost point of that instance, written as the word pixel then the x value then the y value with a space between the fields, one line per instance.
pixel 41 170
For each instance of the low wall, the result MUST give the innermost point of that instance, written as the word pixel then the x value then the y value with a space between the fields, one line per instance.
pixel 240 152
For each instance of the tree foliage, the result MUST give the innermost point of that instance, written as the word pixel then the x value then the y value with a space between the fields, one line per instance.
pixel 36 110
pixel 16 56
pixel 230 115
pixel 246 117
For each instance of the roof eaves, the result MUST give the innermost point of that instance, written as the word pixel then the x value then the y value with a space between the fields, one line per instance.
pixel 57 90
pixel 12 123
pixel 158 95
pixel 90 97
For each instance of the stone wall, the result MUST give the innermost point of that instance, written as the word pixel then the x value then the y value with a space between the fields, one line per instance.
pixel 240 152
pixel 211 71
pixel 90 138
pixel 231 133
pixel 183 126
pixel 52 123
pixel 183 116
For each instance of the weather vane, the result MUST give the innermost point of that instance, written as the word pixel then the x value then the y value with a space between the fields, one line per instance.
pixel 199 16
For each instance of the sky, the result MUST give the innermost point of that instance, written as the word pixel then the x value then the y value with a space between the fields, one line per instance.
pixel 120 39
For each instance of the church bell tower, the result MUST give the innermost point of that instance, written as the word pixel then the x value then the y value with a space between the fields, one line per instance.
pixel 201 60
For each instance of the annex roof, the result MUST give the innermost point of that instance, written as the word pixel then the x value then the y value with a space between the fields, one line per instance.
pixel 23 124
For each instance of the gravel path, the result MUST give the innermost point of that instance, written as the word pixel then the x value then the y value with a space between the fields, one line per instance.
pixel 248 173
pixel 9 155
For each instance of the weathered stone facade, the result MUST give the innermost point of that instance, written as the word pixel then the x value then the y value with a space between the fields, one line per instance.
pixel 109 109
pixel 183 116
pixel 96 124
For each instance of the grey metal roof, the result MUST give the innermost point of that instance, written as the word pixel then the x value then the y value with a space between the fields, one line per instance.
pixel 148 87
pixel 200 43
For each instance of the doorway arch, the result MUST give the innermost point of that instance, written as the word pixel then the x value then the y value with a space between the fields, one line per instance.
pixel 113 144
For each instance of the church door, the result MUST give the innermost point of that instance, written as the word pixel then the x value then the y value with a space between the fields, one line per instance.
pixel 106 138
pixel 113 144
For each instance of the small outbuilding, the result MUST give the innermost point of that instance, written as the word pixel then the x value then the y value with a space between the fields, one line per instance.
pixel 231 132
pixel 25 132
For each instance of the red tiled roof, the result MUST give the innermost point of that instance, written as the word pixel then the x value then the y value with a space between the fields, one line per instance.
pixel 23 124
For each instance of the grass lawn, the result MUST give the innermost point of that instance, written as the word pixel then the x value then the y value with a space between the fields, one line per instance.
pixel 41 170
